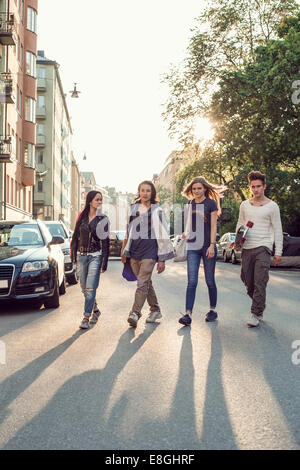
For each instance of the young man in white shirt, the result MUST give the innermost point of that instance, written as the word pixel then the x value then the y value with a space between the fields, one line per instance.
pixel 257 248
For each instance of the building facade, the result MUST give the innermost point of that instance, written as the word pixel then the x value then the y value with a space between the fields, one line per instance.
pixel 18 50
pixel 75 191
pixel 52 195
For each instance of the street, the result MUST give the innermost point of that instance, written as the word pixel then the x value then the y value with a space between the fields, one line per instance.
pixel 159 386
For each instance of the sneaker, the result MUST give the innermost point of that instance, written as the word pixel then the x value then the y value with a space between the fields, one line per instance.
pixel 133 319
pixel 185 320
pixel 85 324
pixel 211 316
pixel 253 320
pixel 153 316
pixel 95 316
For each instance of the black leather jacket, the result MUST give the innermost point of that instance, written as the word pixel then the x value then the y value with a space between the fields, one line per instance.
pixel 85 239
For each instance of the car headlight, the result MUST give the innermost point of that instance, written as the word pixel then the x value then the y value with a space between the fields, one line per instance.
pixel 35 266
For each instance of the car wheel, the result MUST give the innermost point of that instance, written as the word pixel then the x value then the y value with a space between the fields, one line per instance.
pixel 72 278
pixel 53 301
pixel 62 287
pixel 225 259
pixel 233 258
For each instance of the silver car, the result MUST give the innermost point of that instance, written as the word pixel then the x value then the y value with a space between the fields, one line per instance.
pixel 58 228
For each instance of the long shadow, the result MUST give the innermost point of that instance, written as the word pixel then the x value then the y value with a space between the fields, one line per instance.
pixel 217 432
pixel 74 418
pixel 282 376
pixel 16 384
pixel 178 431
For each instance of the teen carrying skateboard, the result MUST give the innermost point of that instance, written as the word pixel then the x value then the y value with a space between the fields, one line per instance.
pixel 264 228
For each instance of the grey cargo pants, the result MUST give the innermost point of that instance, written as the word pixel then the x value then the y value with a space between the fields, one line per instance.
pixel 255 275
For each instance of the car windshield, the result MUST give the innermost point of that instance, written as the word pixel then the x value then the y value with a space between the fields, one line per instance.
pixel 56 230
pixel 232 237
pixel 121 235
pixel 20 235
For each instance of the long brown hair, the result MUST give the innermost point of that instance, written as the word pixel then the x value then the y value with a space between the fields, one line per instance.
pixel 154 199
pixel 212 191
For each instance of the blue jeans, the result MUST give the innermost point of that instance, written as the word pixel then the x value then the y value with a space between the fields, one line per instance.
pixel 193 264
pixel 89 276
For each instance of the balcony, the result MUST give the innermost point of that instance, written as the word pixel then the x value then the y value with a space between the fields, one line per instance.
pixel 8 35
pixel 6 153
pixel 41 112
pixel 6 88
pixel 41 84
pixel 40 141
pixel 39 197
pixel 28 176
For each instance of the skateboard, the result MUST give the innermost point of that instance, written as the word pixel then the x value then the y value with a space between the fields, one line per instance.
pixel 242 233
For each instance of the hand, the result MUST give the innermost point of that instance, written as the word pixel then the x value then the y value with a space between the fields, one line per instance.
pixel 183 236
pixel 277 260
pixel 161 267
pixel 102 271
pixel 210 252
pixel 123 258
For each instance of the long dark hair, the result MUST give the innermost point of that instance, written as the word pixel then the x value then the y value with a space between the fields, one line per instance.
pixel 154 199
pixel 89 197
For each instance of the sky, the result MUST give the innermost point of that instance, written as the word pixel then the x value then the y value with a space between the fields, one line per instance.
pixel 117 51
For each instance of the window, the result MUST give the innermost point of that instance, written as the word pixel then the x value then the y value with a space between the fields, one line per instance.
pixel 29 155
pixel 41 72
pixel 21 56
pixel 7 188
pixel 22 11
pixel 30 109
pixel 40 129
pixel 40 186
pixel 30 64
pixel 40 158
pixel 41 101
pixel 24 199
pixel 20 103
pixel 11 191
pixel 31 19
pixel 20 151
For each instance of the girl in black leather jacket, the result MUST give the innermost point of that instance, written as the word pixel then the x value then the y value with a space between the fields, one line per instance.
pixel 90 250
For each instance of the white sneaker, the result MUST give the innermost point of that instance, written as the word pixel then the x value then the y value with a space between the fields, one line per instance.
pixel 153 316
pixel 253 321
pixel 133 319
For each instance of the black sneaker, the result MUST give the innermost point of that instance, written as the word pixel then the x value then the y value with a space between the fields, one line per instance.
pixel 185 320
pixel 211 316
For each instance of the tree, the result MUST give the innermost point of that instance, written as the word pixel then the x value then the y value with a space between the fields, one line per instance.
pixel 225 37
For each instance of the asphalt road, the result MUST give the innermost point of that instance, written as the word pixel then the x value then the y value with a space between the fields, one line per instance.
pixel 162 386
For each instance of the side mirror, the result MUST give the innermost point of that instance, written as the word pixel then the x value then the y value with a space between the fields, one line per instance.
pixel 57 241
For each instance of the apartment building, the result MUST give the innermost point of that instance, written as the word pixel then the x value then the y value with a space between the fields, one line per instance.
pixel 18 50
pixel 52 195
pixel 75 191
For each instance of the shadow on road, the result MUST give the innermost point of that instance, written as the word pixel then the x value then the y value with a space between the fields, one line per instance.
pixel 282 376
pixel 217 430
pixel 74 418
pixel 17 383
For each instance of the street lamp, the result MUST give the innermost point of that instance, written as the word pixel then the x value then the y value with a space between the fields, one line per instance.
pixel 75 92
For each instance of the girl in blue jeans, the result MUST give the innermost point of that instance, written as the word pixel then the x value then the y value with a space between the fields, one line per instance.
pixel 90 248
pixel 201 231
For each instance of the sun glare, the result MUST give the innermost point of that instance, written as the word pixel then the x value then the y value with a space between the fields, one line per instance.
pixel 203 130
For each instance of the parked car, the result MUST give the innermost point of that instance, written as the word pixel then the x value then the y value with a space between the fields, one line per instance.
pixel 31 263
pixel 226 251
pixel 58 228
pixel 116 238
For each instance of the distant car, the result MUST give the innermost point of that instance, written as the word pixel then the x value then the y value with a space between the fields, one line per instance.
pixel 116 238
pixel 226 251
pixel 58 228
pixel 31 263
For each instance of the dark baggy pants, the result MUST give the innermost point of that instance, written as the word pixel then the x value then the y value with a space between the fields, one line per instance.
pixel 255 275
